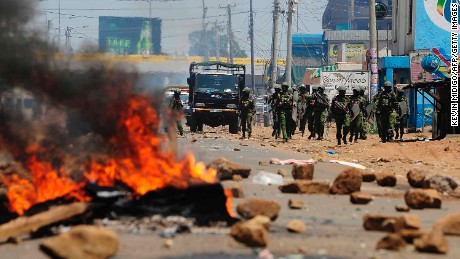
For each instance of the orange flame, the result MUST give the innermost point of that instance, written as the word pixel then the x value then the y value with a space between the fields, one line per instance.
pixel 138 161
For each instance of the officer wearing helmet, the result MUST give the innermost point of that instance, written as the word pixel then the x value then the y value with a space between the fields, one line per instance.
pixel 340 113
pixel 285 104
pixel 320 111
pixel 357 106
pixel 247 111
pixel 386 104
pixel 177 106
pixel 310 111
pixel 364 129
pixel 301 108
pixel 273 102
pixel 402 113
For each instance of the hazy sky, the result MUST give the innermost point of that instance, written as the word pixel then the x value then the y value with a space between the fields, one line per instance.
pixel 179 18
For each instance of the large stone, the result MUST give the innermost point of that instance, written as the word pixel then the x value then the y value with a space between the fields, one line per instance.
pixel 306 187
pixel 434 242
pixel 82 242
pixel 411 234
pixel 449 224
pixel 410 221
pixel 378 222
pixel 416 177
pixel 386 179
pixel 282 172
pixel 296 226
pixel 368 176
pixel 441 183
pixel 421 199
pixel 391 242
pixel 252 233
pixel 303 172
pixel 360 198
pixel 226 169
pixel 347 182
pixel 296 204
pixel 237 192
pixel 250 208
pixel 402 208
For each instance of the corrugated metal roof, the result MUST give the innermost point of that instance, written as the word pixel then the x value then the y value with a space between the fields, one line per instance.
pixel 354 35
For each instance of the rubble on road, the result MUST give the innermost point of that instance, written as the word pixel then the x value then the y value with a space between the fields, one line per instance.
pixel 368 176
pixel 282 172
pixel 306 187
pixel 237 178
pixel 296 226
pixel 347 182
pixel 402 208
pixel 423 198
pixel 441 183
pixel 416 178
pixel 276 161
pixel 303 172
pixel 82 242
pixel 360 198
pixel 251 208
pixel 226 169
pixel 237 192
pixel 391 242
pixel 350 164
pixel 449 224
pixel 252 233
pixel 386 179
pixel 388 223
pixel 434 242
pixel 411 234
pixel 266 178
pixel 296 204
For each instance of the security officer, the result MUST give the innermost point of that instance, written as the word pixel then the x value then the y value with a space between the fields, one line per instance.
pixel 310 112
pixel 176 105
pixel 340 113
pixel 247 111
pixel 365 128
pixel 293 123
pixel 273 102
pixel 301 108
pixel 285 104
pixel 386 104
pixel 403 114
pixel 320 111
pixel 377 111
pixel 357 106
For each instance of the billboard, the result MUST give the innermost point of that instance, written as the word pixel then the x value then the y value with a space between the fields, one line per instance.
pixel 130 35
pixel 416 70
pixel 352 50
pixel 332 80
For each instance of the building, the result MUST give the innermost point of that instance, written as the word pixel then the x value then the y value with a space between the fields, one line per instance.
pixel 353 15
pixel 308 50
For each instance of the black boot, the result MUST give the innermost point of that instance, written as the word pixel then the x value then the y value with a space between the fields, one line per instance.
pixel 320 137
pixel 312 136
pixel 344 140
pixel 350 139
pixel 244 135
pixel 273 132
pixel 397 135
pixel 339 142
pixel 356 139
pixel 401 137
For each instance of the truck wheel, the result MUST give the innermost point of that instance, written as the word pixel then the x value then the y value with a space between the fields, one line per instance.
pixel 233 127
pixel 193 124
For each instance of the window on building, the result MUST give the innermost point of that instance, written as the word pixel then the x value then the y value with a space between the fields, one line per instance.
pixel 410 17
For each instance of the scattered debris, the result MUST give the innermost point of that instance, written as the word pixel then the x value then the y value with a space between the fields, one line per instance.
pixel 306 187
pixel 303 172
pixel 168 243
pixel 282 172
pixel 386 179
pixel 360 198
pixel 347 182
pixel 263 163
pixel 237 178
pixel 391 242
pixel 441 183
pixel 416 177
pixel 358 166
pixel 434 242
pixel 330 152
pixel 449 224
pixel 296 204
pixel 421 199
pixel 236 149
pixel 237 192
pixel 193 140
pixel 388 223
pixel 82 242
pixel 447 148
pixel 402 208
pixel 383 160
pixel 296 226
pixel 250 208
pixel 276 161
pixel 252 233
pixel 226 169
pixel 410 221
pixel 368 176
pixel 411 234
pixel 266 178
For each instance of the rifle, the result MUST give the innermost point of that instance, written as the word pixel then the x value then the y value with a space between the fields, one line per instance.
pixel 321 97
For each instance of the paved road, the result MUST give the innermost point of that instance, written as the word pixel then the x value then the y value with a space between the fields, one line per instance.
pixel 334 226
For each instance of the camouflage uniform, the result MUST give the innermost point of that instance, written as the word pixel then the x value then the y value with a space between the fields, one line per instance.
pixel 309 112
pixel 401 120
pixel 386 103
pixel 377 112
pixel 320 112
pixel 176 105
pixel 301 109
pixel 285 106
pixel 247 111
pixel 356 123
pixel 273 101
pixel 340 113
pixel 365 128
pixel 292 124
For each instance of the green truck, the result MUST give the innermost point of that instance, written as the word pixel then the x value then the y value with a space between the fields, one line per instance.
pixel 215 90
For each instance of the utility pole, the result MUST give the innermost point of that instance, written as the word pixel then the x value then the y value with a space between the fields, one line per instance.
pixel 373 49
pixel 205 37
pixel 251 28
pixel 67 41
pixel 274 65
pixel 292 5
pixel 230 33
pixel 59 23
pixel 217 41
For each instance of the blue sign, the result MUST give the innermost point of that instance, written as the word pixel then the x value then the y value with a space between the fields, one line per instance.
pixel 431 63
pixel 432 24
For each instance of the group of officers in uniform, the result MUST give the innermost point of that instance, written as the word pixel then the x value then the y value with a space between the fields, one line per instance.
pixel 312 110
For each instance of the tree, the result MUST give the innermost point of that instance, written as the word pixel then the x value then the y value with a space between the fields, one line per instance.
pixel 198 47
